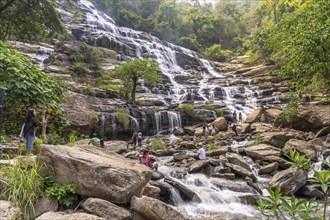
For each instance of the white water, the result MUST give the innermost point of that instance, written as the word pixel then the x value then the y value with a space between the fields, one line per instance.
pixel 172 118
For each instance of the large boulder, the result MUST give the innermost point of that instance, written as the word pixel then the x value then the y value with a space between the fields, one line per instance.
pixel 105 209
pixel 220 123
pixel 45 204
pixel 241 171
pixel 279 138
pixel 116 146
pixel 268 168
pixel 68 216
pixel 96 173
pixel 309 118
pixel 302 147
pixel 217 152
pixel 262 114
pixel 233 185
pixel 8 211
pixel 237 160
pixel 290 180
pixel 155 209
pixel 151 191
pixel 261 151
pixel 197 166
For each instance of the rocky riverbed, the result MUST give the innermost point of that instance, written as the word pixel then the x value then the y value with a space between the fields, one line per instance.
pixel 113 185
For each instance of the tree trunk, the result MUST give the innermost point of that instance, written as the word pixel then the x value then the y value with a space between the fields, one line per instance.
pixel 134 90
pixel 44 126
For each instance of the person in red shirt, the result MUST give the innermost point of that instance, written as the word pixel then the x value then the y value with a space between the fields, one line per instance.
pixel 145 159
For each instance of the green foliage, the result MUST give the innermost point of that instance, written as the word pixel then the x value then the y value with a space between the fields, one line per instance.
pixel 89 90
pixel 190 43
pixel 79 69
pixel 85 54
pixel 215 53
pixel 157 144
pixel 131 72
pixel 291 111
pixel 26 87
pixel 32 20
pixel 220 112
pixel 212 146
pixel 297 161
pixel 64 193
pixel 122 117
pixel 258 139
pixel 21 183
pixel 321 179
pixel 55 138
pixel 72 138
pixel 188 109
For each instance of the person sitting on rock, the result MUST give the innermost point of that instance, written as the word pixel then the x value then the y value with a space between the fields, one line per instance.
pixel 145 159
pixel 201 155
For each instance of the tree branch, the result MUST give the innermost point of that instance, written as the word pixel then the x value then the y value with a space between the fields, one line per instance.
pixel 7 5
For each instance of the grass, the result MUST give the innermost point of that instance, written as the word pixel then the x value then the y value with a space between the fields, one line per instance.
pixel 123 119
pixel 213 146
pixel 21 184
pixel 188 109
pixel 157 144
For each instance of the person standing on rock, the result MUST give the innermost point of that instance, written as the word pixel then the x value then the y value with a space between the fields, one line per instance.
pixel 234 117
pixel 240 117
pixel 139 138
pixel 206 130
pixel 235 129
pixel 29 130
pixel 213 130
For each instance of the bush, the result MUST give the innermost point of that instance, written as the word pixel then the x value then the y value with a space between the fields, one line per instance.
pixel 298 161
pixel 79 69
pixel 122 117
pixel 220 112
pixel 72 138
pixel 215 53
pixel 188 109
pixel 157 144
pixel 21 183
pixel 64 193
pixel 55 138
pixel 84 53
pixel 258 139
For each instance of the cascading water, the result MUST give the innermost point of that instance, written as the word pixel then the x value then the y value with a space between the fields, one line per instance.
pixel 173 120
pixel 113 125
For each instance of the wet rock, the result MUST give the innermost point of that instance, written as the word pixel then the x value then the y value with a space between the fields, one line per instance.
pixel 217 152
pixel 189 130
pixel 178 131
pixel 156 175
pixel 186 145
pixel 261 127
pixel 220 123
pixel 311 192
pixel 8 210
pixel 229 176
pixel 237 160
pixel 68 216
pixel 243 128
pixel 242 172
pixel 302 147
pixel 154 209
pixel 151 191
pixel 181 156
pixel 322 132
pixel 165 153
pixel 224 170
pixel 268 168
pixel 197 166
pixel 98 174
pixel 105 209
pixel 236 186
pixel 290 180
pixel 185 192
pixel 45 204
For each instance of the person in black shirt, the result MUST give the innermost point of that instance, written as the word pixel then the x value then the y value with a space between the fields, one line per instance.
pixel 29 130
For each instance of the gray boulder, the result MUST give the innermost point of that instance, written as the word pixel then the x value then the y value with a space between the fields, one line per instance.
pixel 155 209
pixel 268 168
pixel 8 210
pixel 290 180
pixel 151 191
pixel 197 166
pixel 98 174
pixel 105 209
pixel 302 147
pixel 68 216
pixel 45 204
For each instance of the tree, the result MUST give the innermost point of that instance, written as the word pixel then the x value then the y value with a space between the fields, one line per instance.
pixel 26 87
pixel 301 44
pixel 131 72
pixel 29 20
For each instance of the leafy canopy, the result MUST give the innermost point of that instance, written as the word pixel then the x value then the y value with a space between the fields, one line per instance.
pixel 29 20
pixel 131 72
pixel 26 86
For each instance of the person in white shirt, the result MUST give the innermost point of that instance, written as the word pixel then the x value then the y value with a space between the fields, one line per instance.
pixel 201 154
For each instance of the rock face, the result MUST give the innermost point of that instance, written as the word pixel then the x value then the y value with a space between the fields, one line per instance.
pixel 302 147
pixel 8 211
pixel 263 115
pixel 154 209
pixel 95 173
pixel 105 209
pixel 68 216
pixel 310 117
pixel 290 180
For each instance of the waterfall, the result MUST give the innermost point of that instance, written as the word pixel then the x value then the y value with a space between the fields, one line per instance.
pixel 134 123
pixel 174 120
pixel 158 122
pixel 317 166
pixel 102 121
pixel 113 124
pixel 144 121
